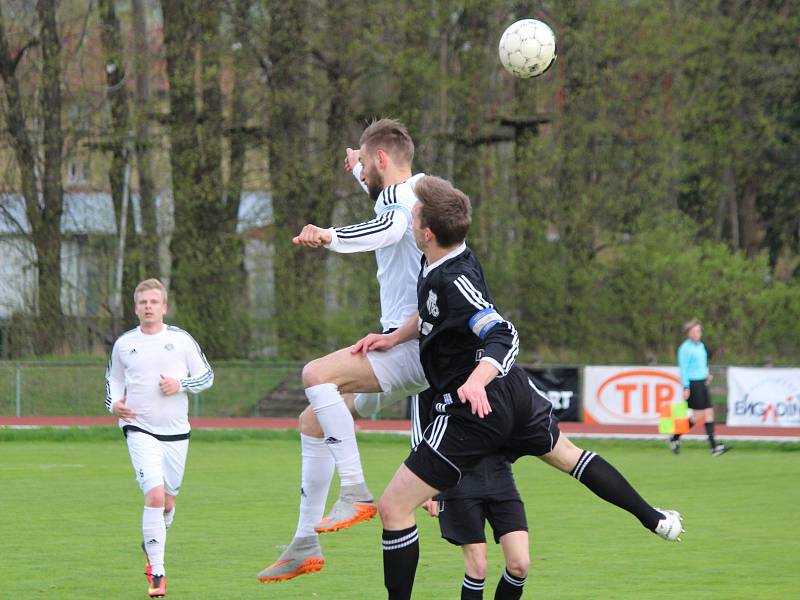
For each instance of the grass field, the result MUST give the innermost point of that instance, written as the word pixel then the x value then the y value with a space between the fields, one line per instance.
pixel 70 518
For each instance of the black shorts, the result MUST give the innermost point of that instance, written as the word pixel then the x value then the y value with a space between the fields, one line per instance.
pixel 463 520
pixel 699 398
pixel 521 423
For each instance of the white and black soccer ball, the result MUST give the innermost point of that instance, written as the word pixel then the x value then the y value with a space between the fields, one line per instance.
pixel 527 48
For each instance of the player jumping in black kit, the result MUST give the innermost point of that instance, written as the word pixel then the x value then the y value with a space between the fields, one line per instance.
pixel 484 403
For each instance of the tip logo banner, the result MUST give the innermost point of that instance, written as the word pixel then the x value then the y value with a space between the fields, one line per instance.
pixel 629 395
pixel 764 397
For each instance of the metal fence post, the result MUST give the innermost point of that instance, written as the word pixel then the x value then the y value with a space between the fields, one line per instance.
pixel 196 405
pixel 18 391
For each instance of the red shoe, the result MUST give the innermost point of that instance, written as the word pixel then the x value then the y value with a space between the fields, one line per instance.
pixel 158 587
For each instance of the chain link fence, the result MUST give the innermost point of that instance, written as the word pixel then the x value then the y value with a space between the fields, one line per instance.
pixel 241 389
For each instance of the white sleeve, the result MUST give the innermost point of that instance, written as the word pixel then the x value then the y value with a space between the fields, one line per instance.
pixel 115 379
pixel 201 375
pixel 357 174
pixel 382 231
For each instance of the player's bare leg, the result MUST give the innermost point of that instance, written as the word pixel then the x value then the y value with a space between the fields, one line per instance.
pixel 515 550
pixel 402 496
pixel 475 567
pixel 325 380
pixel 608 483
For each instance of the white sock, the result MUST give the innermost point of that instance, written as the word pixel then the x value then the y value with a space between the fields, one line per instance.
pixel 154 534
pixel 340 430
pixel 317 472
pixel 169 515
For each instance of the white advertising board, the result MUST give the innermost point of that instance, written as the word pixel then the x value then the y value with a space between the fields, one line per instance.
pixel 628 395
pixel 763 397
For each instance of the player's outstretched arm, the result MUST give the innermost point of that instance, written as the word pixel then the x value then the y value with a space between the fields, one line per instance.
pixel 312 236
pixel 382 342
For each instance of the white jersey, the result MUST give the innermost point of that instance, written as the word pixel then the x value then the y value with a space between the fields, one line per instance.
pixel 137 362
pixel 389 234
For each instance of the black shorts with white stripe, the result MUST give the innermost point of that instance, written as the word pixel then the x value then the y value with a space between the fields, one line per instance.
pixel 521 423
pixel 463 520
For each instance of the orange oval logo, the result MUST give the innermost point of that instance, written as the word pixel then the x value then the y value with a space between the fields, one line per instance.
pixel 638 394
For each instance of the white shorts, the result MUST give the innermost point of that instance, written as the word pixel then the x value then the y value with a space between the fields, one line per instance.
pixel 157 463
pixel 399 373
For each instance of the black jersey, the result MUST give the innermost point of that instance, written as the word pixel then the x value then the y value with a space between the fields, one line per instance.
pixel 458 323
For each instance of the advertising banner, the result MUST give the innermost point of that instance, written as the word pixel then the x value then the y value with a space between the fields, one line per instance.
pixel 629 395
pixel 561 386
pixel 764 397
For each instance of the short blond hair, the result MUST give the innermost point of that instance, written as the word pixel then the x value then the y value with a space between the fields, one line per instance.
pixel 391 136
pixel 690 323
pixel 150 284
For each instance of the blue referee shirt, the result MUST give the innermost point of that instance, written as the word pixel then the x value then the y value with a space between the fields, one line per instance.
pixel 692 361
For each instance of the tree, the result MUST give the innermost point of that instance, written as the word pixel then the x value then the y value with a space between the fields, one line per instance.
pixel 206 249
pixel 143 144
pixel 39 161
pixel 119 144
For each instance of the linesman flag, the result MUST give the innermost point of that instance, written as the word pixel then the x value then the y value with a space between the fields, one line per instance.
pixel 674 419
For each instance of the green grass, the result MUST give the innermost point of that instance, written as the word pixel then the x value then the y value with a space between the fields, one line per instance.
pixel 70 517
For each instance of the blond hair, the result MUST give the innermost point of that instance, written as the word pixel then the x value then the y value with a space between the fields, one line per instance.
pixel 392 137
pixel 150 284
pixel 689 324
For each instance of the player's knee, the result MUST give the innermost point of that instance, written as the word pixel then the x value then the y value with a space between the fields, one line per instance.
pixel 478 568
pixel 392 515
pixel 313 374
pixel 518 565
pixel 309 424
pixel 155 498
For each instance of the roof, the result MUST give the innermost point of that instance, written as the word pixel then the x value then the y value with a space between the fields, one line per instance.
pixel 93 213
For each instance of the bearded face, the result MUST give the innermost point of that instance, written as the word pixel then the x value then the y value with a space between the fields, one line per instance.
pixel 370 174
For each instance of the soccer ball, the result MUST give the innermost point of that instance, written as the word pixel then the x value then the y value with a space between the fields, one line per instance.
pixel 527 48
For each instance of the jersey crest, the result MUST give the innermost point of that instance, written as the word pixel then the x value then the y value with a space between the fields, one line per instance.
pixel 433 310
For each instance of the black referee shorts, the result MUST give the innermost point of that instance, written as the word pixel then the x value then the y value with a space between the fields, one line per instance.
pixel 463 520
pixel 521 423
pixel 699 398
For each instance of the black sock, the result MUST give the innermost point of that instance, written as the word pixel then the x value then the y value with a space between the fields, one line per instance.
pixel 400 557
pixel 471 588
pixel 608 483
pixel 710 433
pixel 509 587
